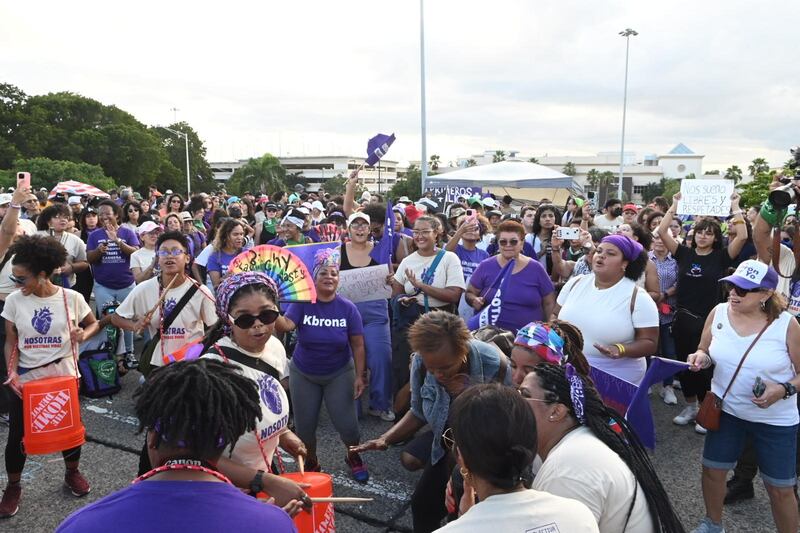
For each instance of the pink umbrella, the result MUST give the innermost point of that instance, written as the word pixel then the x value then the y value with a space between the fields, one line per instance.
pixel 76 188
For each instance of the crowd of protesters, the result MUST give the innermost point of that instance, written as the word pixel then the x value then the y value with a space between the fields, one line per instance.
pixel 493 393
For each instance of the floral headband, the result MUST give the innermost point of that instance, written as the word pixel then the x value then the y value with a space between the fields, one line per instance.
pixel 327 257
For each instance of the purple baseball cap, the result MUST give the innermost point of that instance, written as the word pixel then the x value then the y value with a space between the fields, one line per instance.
pixel 752 274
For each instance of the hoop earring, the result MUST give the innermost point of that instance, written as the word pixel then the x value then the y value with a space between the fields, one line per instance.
pixel 464 472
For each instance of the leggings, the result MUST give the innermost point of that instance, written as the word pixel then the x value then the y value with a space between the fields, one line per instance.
pixel 687 330
pixel 15 459
pixel 336 389
pixel 427 502
pixel 103 295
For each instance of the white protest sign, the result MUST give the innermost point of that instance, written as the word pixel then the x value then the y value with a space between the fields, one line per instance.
pixel 365 284
pixel 710 197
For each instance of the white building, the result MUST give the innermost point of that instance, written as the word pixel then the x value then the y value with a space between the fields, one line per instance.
pixel 317 169
pixel 637 172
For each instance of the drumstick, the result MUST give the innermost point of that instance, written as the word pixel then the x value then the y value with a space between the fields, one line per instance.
pixel 149 314
pixel 334 499
pixel 302 464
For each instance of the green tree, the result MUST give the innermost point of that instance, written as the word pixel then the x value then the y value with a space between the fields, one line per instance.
pixel 734 173
pixel 653 189
pixel 410 185
pixel 434 163
pixel 671 188
pixel 533 160
pixel 498 156
pixel 175 147
pixel 471 163
pixel 336 186
pixel 711 173
pixel 757 166
pixel 264 174
pixel 11 101
pixel 755 192
pixel 569 169
pixel 690 176
pixel 47 173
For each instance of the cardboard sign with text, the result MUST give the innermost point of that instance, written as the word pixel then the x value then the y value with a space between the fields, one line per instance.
pixel 365 284
pixel 709 197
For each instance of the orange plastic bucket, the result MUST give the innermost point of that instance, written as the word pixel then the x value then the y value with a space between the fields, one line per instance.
pixel 52 415
pixel 321 517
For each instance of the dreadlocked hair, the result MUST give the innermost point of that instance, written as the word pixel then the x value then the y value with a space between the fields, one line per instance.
pixel 203 405
pixel 613 430
pixel 214 334
pixel 573 345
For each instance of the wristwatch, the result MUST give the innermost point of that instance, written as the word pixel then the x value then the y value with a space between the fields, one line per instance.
pixel 791 390
pixel 257 483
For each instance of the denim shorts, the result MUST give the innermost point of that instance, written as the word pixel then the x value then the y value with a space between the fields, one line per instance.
pixel 775 447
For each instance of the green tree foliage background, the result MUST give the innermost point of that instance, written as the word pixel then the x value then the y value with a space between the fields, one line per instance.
pixel 263 174
pixel 410 186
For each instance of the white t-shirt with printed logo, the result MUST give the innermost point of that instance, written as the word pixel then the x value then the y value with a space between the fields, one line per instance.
pixel 448 273
pixel 42 329
pixel 274 407
pixel 188 326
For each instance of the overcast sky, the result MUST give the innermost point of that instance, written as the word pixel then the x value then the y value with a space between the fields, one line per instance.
pixel 320 77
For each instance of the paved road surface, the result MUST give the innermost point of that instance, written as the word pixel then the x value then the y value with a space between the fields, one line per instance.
pixel 110 462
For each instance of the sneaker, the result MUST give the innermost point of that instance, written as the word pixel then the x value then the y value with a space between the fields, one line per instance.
pixel 688 414
pixel 668 395
pixel 386 416
pixel 708 526
pixel 130 361
pixel 357 467
pixel 700 429
pixel 676 384
pixel 739 490
pixel 76 483
pixel 10 502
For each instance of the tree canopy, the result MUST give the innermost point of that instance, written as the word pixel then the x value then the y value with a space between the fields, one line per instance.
pixel 410 186
pixel 263 174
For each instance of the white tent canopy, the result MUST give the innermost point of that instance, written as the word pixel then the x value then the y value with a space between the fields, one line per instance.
pixel 516 174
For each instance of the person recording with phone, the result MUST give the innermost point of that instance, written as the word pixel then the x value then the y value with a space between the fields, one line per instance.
pixel 757 393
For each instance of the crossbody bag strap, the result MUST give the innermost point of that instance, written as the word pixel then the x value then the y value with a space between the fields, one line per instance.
pixel 738 368
pixel 633 299
pixel 170 318
pixel 430 274
pixel 251 362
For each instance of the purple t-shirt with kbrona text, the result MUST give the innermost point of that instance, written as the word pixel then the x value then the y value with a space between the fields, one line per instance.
pixel 114 268
pixel 192 506
pixel 522 302
pixel 323 334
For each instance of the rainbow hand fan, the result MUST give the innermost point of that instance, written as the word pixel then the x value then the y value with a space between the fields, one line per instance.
pixel 294 281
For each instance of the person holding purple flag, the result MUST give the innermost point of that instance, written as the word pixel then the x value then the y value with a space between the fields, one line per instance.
pixel 619 320
pixel 529 295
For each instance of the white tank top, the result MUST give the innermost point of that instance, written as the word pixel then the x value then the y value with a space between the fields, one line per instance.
pixel 769 359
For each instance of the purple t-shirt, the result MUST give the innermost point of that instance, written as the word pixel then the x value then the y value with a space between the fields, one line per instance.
pixel 470 259
pixel 522 302
pixel 323 334
pixel 114 268
pixel 218 261
pixel 196 506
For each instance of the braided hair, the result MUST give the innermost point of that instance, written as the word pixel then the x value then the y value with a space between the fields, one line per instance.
pixel 202 405
pixel 573 345
pixel 613 430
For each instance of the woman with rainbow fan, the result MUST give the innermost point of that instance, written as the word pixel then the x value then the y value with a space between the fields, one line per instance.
pixel 328 362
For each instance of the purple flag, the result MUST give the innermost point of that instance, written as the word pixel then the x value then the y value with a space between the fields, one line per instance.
pixel 491 313
pixel 615 392
pixel 306 252
pixel 639 415
pixel 377 148
pixel 382 252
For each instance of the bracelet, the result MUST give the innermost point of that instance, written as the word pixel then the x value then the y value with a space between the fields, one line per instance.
pixel 15 206
pixel 620 348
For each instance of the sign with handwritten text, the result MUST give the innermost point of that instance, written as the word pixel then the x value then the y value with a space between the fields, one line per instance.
pixel 365 284
pixel 709 197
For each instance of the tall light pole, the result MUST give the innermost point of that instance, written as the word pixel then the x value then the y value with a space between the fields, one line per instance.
pixel 627 33
pixel 186 140
pixel 424 162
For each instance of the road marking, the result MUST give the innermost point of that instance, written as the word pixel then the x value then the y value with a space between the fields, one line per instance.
pixel 112 415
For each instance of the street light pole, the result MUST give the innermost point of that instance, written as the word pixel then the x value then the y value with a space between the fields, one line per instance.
pixel 186 140
pixel 627 33
pixel 424 162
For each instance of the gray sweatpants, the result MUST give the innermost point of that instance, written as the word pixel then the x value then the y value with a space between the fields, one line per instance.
pixel 308 392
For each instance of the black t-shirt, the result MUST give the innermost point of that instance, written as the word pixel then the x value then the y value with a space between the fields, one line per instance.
pixel 698 278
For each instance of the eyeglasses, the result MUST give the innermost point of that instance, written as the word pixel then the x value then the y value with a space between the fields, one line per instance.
pixel 419 232
pixel 526 396
pixel 447 439
pixel 508 242
pixel 173 253
pixel 740 292
pixel 266 317
pixel 17 280
pixel 61 216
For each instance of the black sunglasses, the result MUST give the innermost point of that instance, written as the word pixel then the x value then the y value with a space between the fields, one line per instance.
pixel 266 317
pixel 740 292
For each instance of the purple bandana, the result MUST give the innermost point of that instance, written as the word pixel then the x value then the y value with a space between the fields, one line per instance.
pixel 576 392
pixel 630 249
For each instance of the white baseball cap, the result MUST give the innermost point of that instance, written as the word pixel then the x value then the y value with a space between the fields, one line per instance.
pixel 316 204
pixel 74 200
pixel 147 227
pixel 358 214
pixel 489 202
pixel 5 199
